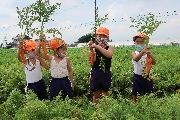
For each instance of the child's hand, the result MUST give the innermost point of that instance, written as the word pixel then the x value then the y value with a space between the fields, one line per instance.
pixel 149 53
pixel 90 43
pixel 20 45
pixel 93 45
pixel 146 50
pixel 72 86
pixel 42 37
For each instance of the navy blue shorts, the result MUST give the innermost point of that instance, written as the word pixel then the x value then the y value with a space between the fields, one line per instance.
pixel 39 88
pixel 141 85
pixel 100 80
pixel 60 84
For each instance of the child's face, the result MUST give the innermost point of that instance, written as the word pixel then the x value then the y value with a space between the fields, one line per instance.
pixel 139 41
pixel 30 53
pixel 101 39
pixel 61 50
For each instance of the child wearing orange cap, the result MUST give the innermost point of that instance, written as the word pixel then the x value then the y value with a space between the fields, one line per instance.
pixel 100 78
pixel 61 70
pixel 139 84
pixel 32 66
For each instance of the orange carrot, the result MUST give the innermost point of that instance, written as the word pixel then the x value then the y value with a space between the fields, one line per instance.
pixel 21 52
pixel 43 44
pixel 91 57
pixel 148 64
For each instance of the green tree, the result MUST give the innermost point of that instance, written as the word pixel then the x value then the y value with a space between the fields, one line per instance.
pixel 85 38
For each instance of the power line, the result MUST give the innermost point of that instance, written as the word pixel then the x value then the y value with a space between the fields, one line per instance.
pixel 91 23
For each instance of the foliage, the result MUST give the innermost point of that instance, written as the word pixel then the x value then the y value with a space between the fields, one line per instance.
pixel 146 24
pixel 98 22
pixel 147 108
pixel 85 38
pixel 42 11
pixel 26 20
pixel 39 11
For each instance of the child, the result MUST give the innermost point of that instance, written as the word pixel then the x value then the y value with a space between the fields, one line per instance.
pixel 100 78
pixel 33 70
pixel 60 67
pixel 139 84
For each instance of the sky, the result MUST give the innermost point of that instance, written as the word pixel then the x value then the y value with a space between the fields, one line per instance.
pixel 75 18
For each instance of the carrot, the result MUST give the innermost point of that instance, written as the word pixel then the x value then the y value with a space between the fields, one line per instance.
pixel 21 52
pixel 91 57
pixel 148 64
pixel 43 44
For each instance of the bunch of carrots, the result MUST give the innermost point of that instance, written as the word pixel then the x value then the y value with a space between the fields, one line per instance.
pixel 43 44
pixel 22 49
pixel 148 58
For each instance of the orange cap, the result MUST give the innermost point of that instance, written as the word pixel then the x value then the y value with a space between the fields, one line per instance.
pixel 56 43
pixel 142 35
pixel 103 30
pixel 29 45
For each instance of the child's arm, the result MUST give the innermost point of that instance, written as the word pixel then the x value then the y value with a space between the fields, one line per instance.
pixel 19 55
pixel 70 72
pixel 43 63
pixel 37 51
pixel 107 53
pixel 138 57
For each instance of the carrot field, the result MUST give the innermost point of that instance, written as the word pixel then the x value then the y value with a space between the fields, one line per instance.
pixel 164 104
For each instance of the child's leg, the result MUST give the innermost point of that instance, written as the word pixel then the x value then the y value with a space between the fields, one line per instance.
pixel 134 98
pixel 106 82
pixel 55 88
pixel 67 89
pixel 34 88
pixel 96 96
pixel 105 94
pixel 136 87
pixel 148 87
pixel 95 78
pixel 43 92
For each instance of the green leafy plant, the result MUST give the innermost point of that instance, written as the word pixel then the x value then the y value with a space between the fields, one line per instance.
pixel 54 31
pixel 99 20
pixel 26 20
pixel 41 11
pixel 146 25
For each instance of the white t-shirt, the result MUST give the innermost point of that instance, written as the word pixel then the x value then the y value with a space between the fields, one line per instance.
pixel 33 75
pixel 138 66
pixel 59 70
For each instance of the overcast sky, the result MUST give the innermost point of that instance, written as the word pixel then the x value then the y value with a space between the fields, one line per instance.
pixel 77 21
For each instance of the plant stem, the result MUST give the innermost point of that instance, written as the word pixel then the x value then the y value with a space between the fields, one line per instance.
pixel 42 27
